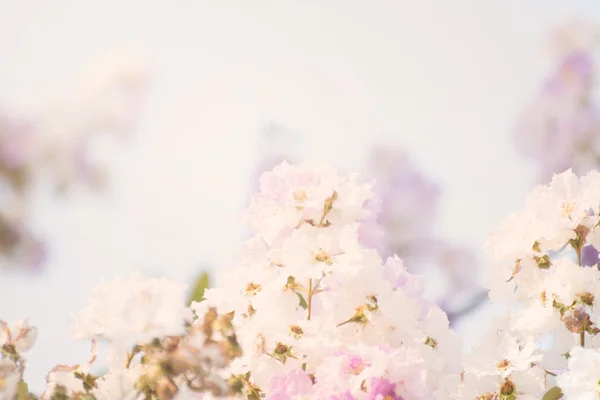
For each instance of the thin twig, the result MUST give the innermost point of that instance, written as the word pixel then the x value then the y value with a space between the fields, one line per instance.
pixel 475 303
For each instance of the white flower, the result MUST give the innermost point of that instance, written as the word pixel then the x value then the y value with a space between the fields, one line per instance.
pixel 523 385
pixel 559 208
pixel 557 347
pixel 501 353
pixel 119 383
pixel 133 311
pixel 9 378
pixel 20 334
pixel 62 379
pixel 538 315
pixel 290 196
pixel 591 191
pixel 569 282
pixel 443 346
pixel 582 379
pixel 476 387
pixel 514 238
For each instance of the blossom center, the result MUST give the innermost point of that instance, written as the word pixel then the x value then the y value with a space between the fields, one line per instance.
pixel 322 257
pixel 252 288
pixel 502 365
pixel 300 196
pixel 567 209
pixel 507 388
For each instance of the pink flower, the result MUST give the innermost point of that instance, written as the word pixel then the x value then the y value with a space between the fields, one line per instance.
pixel 343 396
pixel 382 389
pixel 353 363
pixel 292 383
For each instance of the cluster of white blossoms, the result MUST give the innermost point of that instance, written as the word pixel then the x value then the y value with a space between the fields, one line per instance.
pixel 549 341
pixel 312 313
pixel 159 349
pixel 318 314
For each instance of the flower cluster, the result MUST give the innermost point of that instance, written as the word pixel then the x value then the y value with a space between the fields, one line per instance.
pixel 553 325
pixel 311 313
pixel 321 316
pixel 159 350
pixel 54 145
pixel 561 128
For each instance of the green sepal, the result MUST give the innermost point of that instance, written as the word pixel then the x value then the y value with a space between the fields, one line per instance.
pixel 22 391
pixel 553 394
pixel 302 303
pixel 202 283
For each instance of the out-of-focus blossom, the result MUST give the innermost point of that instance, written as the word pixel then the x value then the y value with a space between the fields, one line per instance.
pixel 408 214
pixel 409 203
pixel 53 144
pixel 560 129
pixel 171 353
pixel 133 310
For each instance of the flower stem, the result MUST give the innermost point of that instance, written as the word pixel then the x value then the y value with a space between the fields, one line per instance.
pixel 312 290
pixel 582 338
pixel 309 300
pixel 130 356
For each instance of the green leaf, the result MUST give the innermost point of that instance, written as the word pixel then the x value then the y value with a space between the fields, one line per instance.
pixel 22 391
pixel 302 301
pixel 202 283
pixel 553 394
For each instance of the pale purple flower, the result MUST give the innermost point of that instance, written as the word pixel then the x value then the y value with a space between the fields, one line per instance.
pixel 590 256
pixel 409 203
pixel 560 129
pixel 34 254
pixel 81 161
pixel 573 76
pixel 15 143
pixel 54 146
pixel 19 245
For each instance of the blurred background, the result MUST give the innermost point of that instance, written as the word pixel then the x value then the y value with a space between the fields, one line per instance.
pixel 133 133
